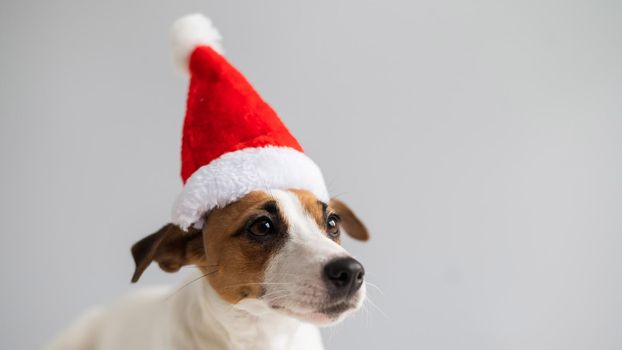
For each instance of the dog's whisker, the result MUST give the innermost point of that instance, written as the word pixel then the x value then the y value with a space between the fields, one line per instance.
pixel 375 286
pixel 195 266
pixel 285 291
pixel 256 283
pixel 275 295
pixel 189 283
pixel 368 315
pixel 276 300
pixel 279 291
pixel 368 299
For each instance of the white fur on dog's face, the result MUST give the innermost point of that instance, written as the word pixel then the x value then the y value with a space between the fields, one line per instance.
pixel 293 280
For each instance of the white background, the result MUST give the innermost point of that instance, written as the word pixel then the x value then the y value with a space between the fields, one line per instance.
pixel 480 141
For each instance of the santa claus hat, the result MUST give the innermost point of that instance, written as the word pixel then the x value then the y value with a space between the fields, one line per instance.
pixel 233 143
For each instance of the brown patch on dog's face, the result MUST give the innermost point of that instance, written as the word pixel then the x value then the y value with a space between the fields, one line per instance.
pixel 236 258
pixel 321 213
pixel 314 207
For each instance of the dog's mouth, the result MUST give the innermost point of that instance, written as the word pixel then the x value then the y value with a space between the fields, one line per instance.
pixel 337 309
pixel 319 314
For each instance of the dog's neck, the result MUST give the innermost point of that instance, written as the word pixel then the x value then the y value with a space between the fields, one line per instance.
pixel 204 318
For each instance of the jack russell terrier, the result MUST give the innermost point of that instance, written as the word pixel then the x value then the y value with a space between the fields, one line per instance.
pixel 272 269
pixel 254 218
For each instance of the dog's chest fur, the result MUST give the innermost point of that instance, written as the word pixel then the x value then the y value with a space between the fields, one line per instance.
pixel 187 319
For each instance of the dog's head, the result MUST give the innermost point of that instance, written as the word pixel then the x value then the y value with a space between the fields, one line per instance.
pixel 280 249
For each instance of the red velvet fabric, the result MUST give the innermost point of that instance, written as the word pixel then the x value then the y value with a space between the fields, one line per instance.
pixel 224 114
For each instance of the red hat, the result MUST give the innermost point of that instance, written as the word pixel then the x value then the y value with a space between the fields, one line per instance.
pixel 233 143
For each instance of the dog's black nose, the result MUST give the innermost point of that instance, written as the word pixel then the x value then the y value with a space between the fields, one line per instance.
pixel 344 276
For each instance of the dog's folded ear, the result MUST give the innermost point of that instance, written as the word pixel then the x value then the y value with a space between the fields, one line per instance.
pixel 170 247
pixel 353 226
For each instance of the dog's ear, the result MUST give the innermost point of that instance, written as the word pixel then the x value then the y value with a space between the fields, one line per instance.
pixel 353 226
pixel 170 247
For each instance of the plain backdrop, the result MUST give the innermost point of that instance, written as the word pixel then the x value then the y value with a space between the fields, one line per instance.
pixel 481 141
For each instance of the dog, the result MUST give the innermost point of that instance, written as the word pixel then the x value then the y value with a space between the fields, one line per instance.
pixel 272 269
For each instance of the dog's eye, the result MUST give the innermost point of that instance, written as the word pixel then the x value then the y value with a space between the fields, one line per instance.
pixel 261 227
pixel 332 226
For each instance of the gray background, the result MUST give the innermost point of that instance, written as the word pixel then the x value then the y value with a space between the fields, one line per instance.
pixel 480 141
